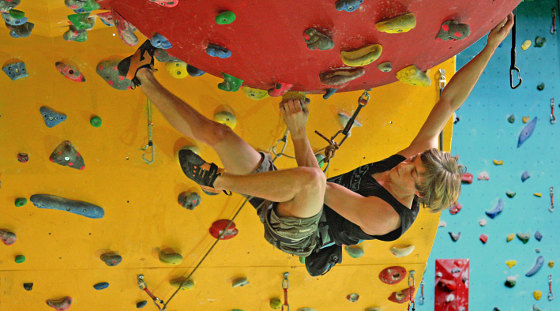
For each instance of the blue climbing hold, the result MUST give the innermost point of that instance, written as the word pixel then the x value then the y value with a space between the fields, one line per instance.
pixel 51 117
pixel 218 51
pixel 496 210
pixel 12 21
pixel 538 236
pixel 526 132
pixel 348 5
pixel 329 92
pixel 160 42
pixel 538 265
pixel 100 286
pixel 16 71
pixel 194 72
pixel 77 207
pixel 525 176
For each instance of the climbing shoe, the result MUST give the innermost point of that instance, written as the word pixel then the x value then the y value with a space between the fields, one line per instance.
pixel 142 58
pixel 200 171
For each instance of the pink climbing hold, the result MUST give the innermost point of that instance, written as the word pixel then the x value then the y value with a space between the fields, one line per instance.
pixel 455 208
pixel 61 304
pixel 7 237
pixel 124 29
pixel 166 3
pixel 279 89
pixel 467 178
pixel 483 176
pixel 483 238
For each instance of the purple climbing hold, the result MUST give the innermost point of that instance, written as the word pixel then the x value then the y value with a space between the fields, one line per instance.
pixel 160 42
pixel 538 265
pixel 66 155
pixel 218 51
pixel 7 237
pixel 496 210
pixel 526 132
pixel 111 259
pixel 525 176
pixel 454 236
pixel 538 236
pixel 51 117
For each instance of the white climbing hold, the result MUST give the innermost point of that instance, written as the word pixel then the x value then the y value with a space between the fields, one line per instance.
pixel 402 251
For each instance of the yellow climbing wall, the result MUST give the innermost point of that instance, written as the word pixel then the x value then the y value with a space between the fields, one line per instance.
pixel 140 200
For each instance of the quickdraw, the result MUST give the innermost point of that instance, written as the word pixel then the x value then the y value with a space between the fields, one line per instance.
pixel 551 208
pixel 284 142
pixel 513 68
pixel 421 300
pixel 442 84
pixel 411 285
pixel 553 27
pixel 552 116
pixel 149 148
pixel 285 285
pixel 550 295
pixel 144 287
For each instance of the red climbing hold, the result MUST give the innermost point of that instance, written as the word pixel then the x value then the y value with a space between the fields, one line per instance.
pixel 402 296
pixel 467 178
pixel 279 89
pixel 455 209
pixel 483 238
pixel 392 275
pixel 166 3
pixel 220 227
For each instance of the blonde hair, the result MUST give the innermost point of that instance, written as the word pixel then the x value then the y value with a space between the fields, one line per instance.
pixel 440 184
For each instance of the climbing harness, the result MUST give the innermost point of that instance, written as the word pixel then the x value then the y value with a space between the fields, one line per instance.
pixel 553 27
pixel 442 84
pixel 144 287
pixel 333 145
pixel 552 116
pixel 149 148
pixel 513 68
pixel 421 300
pixel 285 284
pixel 411 286
pixel 284 142
pixel 550 295
pixel 551 208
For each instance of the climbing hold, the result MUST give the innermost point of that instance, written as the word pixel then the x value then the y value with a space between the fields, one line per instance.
pixel 194 72
pixel 22 31
pixel 28 286
pixel 164 56
pixel 23 157
pixel 455 208
pixel 511 281
pixel 6 5
pixel 353 297
pixel 523 237
pixel 413 76
pixel 535 308
pixel 511 118
pixel 340 76
pixel 177 70
pixel 15 70
pixel 169 256
pixel 219 227
pixel 166 3
pixel 540 87
pixel 483 238
pixel 362 56
pixel 320 159
pixel 454 236
pixel 539 41
pixel 141 304
pixel 498 162
pixel 354 251
pixel 300 309
pixel 19 202
pixel 125 30
pixel 7 237
pixel 483 176
pixel 510 194
pixel 402 296
pixel 20 259
pixel 187 284
pixel 537 250
pixel 452 30
pixel 100 286
pixel 230 84
pixel 511 263
pixel 329 92
pixel 240 282
pixel 373 309
pixel 466 178
pixel 482 222
pixel 538 236
pixel 16 19
pixel 525 176
pixel 61 304
pixel 538 265
pixel 111 259
pixel 160 42
pixel 225 18
pixel 348 5
pixel 90 5
pixel 217 51
pixel 106 18
pixel 108 70
pixel 95 121
pixel 70 72
pixel 402 251
pixel 526 132
pixel 344 118
pixel 526 44
pixel 317 40
pixel 537 194
pixel 255 94
pixel 226 118
pixel 392 275
pixel 551 264
pixel 51 117
pixel 510 237
pixel 279 89
pixel 537 294
pixel 402 23
pixel 82 21
pixel 66 155
pixel 385 67
pixel 74 34
pixel 496 210
pixel 525 119
pixel 77 207
pixel 275 303
pixel 189 200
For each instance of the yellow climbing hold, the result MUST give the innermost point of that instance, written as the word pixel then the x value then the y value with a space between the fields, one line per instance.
pixel 511 263
pixel 537 194
pixel 275 303
pixel 510 237
pixel 403 23
pixel 255 94
pixel 226 118
pixel 413 76
pixel 170 257
pixel 537 294
pixel 294 95
pixel 525 119
pixel 187 285
pixel 177 70
pixel 551 264
pixel 498 162
pixel 362 56
pixel 527 44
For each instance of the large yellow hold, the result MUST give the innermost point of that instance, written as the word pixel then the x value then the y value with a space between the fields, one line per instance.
pixel 362 56
pixel 413 76
pixel 177 70
pixel 255 94
pixel 403 23
pixel 226 118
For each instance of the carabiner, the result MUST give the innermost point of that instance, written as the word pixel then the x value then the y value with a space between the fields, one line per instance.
pixel 552 116
pixel 513 68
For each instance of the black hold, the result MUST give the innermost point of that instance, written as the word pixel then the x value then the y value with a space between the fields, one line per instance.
pixel 511 118
pixel 28 286
pixel 66 155
pixel 194 72
pixel 540 41
pixel 141 304
pixel 540 87
pixel 23 157
pixel 454 236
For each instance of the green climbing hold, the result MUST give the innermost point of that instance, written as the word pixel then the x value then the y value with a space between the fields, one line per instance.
pixel 510 194
pixel 523 237
pixel 354 251
pixel 95 121
pixel 230 84
pixel 224 18
pixel 302 260
pixel 16 14
pixel 91 5
pixel 321 159
pixel 20 259
pixel 187 285
pixel 81 21
pixel 511 281
pixel 539 42
pixel 275 303
pixel 540 87
pixel 21 202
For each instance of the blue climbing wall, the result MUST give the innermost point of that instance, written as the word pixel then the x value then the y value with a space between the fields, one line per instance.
pixel 484 134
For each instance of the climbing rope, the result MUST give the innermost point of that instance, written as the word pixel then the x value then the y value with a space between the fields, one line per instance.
pixel 421 300
pixel 550 295
pixel 144 287
pixel 285 284
pixel 149 148
pixel 552 116
pixel 411 286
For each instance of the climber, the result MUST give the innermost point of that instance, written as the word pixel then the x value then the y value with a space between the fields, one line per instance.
pixel 303 213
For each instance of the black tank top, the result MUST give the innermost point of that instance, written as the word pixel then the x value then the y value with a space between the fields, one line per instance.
pixel 359 180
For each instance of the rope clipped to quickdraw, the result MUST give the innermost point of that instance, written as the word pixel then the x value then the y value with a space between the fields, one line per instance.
pixel 442 84
pixel 149 148
pixel 144 287
pixel 285 285
pixel 411 286
pixel 333 145
pixel 284 141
